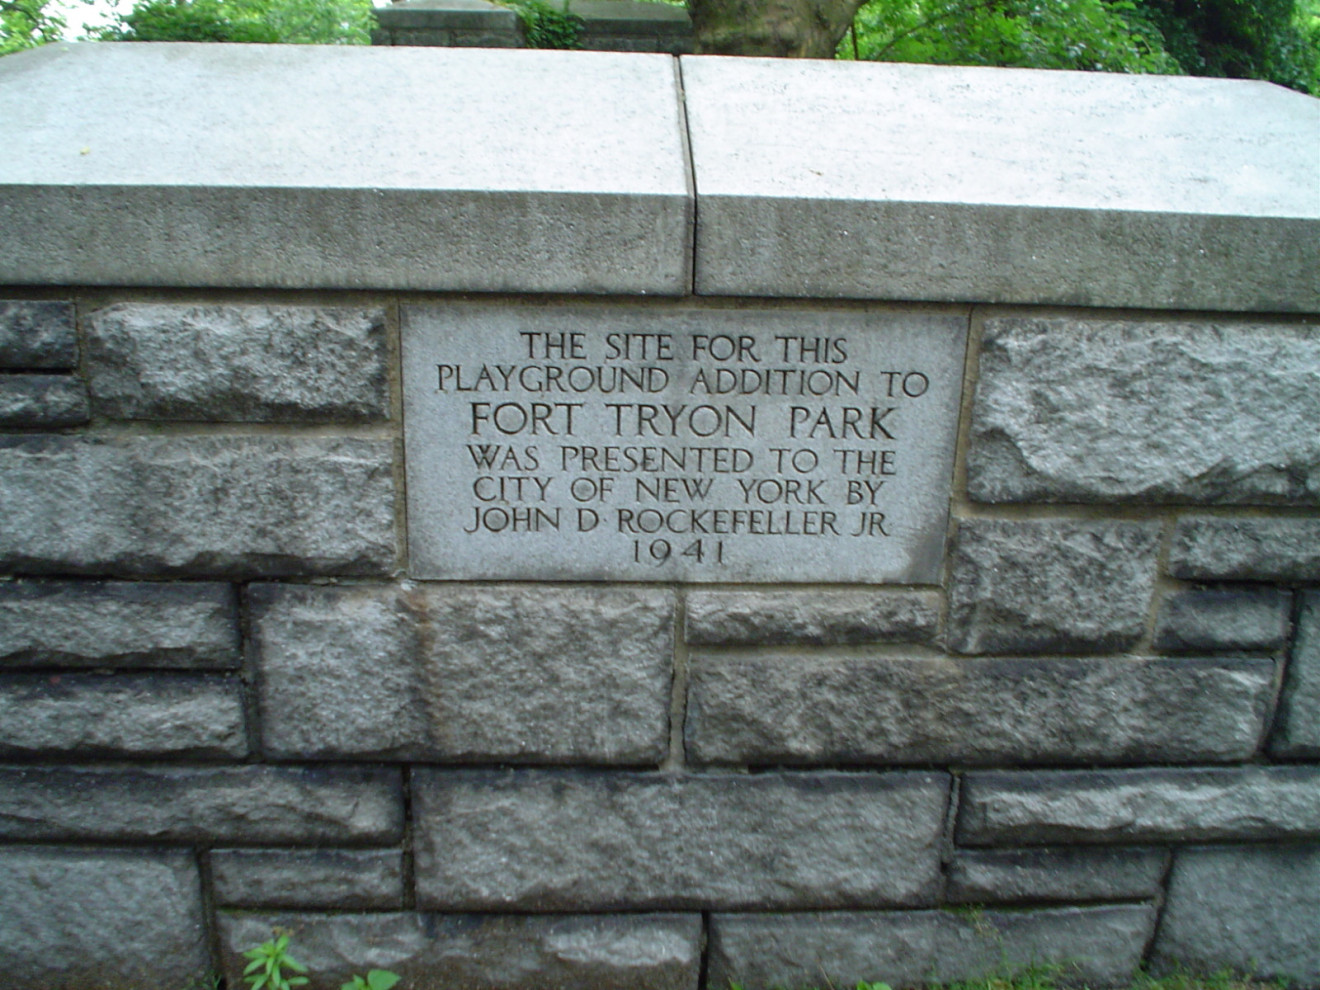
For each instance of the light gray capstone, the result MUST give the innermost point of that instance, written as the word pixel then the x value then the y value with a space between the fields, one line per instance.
pixel 1211 548
pixel 577 840
pixel 1090 411
pixel 44 401
pixel 238 363
pixel 1002 185
pixel 477 952
pixel 815 618
pixel 1204 621
pixel 206 506
pixel 495 673
pixel 1297 725
pixel 979 876
pixel 37 335
pixel 1095 946
pixel 1050 586
pixel 103 919
pixel 434 169
pixel 344 879
pixel 260 805
pixel 1139 806
pixel 781 708
pixel 179 715
pixel 1254 909
pixel 190 625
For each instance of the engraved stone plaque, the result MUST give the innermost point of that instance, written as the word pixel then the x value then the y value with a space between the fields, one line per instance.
pixel 597 441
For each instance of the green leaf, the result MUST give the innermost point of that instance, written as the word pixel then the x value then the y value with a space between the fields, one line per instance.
pixel 381 979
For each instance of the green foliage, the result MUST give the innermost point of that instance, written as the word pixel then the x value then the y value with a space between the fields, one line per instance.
pixel 1099 35
pixel 377 979
pixel 1278 40
pixel 324 22
pixel 269 960
pixel 547 26
pixel 28 23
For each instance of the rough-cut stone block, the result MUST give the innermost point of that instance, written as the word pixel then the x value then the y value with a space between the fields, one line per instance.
pixel 1210 548
pixel 104 919
pixel 37 335
pixel 1088 411
pixel 249 505
pixel 1135 806
pixel 344 879
pixel 818 618
pixel 1050 586
pixel 429 168
pixel 481 952
pixel 978 876
pixel 1223 619
pixel 1095 946
pixel 238 363
pixel 1002 185
pixel 119 624
pixel 42 401
pixel 1297 729
pixel 769 709
pixel 567 840
pixel 471 673
pixel 1252 909
pixel 88 715
pixel 259 805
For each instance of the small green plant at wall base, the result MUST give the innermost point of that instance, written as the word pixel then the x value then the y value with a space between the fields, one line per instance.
pixel 269 960
pixel 377 979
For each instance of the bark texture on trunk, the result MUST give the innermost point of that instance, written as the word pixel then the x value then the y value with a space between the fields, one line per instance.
pixel 779 28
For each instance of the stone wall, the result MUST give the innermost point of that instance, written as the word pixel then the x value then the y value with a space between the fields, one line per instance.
pixel 227 706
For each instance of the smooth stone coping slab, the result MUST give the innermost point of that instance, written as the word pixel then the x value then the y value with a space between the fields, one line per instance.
pixel 343 167
pixel 108 919
pixel 679 443
pixel 480 952
pixel 1003 185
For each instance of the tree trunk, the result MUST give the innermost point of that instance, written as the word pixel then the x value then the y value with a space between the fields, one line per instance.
pixel 779 28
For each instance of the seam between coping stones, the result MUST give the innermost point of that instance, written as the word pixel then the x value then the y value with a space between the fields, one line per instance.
pixel 689 171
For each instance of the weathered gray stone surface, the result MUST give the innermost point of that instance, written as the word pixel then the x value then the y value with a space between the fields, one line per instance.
pixel 1297 725
pixel 1050 586
pixel 1254 909
pixel 46 401
pixel 344 879
pixel 119 624
pixel 1094 411
pixel 430 168
pixel 814 618
pixel 978 876
pixel 1211 548
pixel 1148 805
pixel 1223 619
pixel 995 185
pixel 36 334
pixel 1096 946
pixel 206 505
pixel 478 952
pixel 129 715
pixel 767 709
pixel 238 363
pixel 552 674
pixel 261 805
pixel 566 840
pixel 104 919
